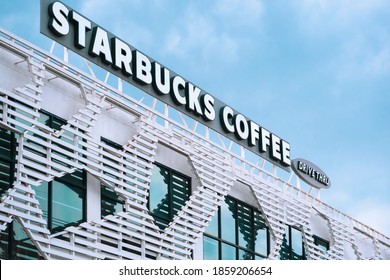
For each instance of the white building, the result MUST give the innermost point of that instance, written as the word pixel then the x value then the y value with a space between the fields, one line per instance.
pixel 90 171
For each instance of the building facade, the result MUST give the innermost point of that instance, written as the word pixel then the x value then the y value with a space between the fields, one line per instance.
pixel 93 171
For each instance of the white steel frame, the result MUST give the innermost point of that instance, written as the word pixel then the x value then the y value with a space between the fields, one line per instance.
pixel 133 233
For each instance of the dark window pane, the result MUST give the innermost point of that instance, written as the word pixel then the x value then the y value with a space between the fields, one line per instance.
pixel 5 176
pixel 210 248
pixel 228 252
pixel 5 143
pixel 22 246
pixel 180 192
pixel 7 159
pixel 285 248
pixel 321 243
pixel 110 202
pixel 161 223
pixel 56 123
pixel 245 226
pixel 292 246
pixel 169 191
pixel 110 207
pixel 4 244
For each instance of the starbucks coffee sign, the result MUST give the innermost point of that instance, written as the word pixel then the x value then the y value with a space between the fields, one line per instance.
pixel 86 38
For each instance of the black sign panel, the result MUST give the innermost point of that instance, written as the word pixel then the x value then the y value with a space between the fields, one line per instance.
pixel 310 173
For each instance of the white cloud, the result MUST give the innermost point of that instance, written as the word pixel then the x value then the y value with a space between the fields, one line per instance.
pixel 337 12
pixel 197 33
pixel 351 36
pixel 374 214
pixel 216 33
pixel 240 12
pixel 115 17
pixel 359 189
pixel 212 30
pixel 379 63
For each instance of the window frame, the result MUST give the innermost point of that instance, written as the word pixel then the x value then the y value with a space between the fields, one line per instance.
pixel 52 121
pixel 103 196
pixel 239 248
pixel 65 181
pixel 290 242
pixel 11 161
pixel 171 213
pixel 325 243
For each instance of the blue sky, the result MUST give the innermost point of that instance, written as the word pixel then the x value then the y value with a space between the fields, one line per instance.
pixel 315 72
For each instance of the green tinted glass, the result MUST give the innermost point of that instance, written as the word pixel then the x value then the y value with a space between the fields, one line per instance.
pixel 245 255
pixel 159 196
pixel 296 244
pixel 5 176
pixel 261 232
pixel 228 221
pixel 23 247
pixel 228 252
pixel 67 205
pixel 42 195
pixel 210 248
pixel 110 202
pixel 212 228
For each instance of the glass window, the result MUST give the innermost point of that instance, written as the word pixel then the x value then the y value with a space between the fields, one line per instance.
pixel 169 191
pixel 5 176
pixel 296 244
pixel 55 123
pixel 62 201
pixel 16 245
pixel 42 195
pixel 227 220
pixel 213 227
pixel 228 252
pixel 7 159
pixel 14 242
pixel 67 205
pixel 261 234
pixel 292 246
pixel 180 189
pixel 239 232
pixel 6 144
pixel 285 247
pixel 245 255
pixel 159 192
pixel 321 243
pixel 210 248
pixel 245 226
pixel 111 202
pixel 4 245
